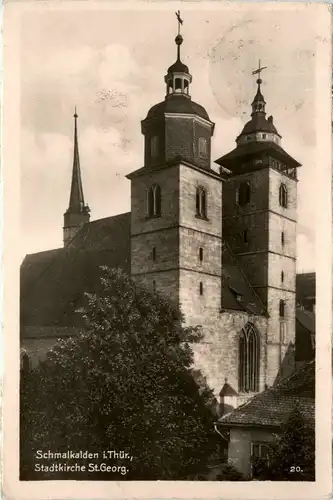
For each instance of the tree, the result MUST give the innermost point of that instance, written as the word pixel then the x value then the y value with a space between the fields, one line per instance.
pixel 292 456
pixel 124 383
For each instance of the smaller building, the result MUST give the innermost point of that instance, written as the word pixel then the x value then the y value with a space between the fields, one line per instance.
pixel 253 426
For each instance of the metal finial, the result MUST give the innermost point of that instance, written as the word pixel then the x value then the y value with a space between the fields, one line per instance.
pixel 75 113
pixel 258 72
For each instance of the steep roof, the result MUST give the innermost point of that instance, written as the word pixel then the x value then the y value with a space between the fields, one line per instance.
pixel 237 293
pixel 53 282
pixel 273 406
pixel 305 341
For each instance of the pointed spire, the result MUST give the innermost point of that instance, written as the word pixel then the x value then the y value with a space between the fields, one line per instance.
pixel 258 104
pixel 77 213
pixel 76 200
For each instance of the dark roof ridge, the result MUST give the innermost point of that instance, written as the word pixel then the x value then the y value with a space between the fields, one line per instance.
pixel 105 218
pixel 233 256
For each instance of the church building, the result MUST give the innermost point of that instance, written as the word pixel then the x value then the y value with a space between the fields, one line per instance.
pixel 218 237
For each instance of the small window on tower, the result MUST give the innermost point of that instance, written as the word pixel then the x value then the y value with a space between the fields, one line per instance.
pixel 282 308
pixel 154 286
pixel 244 193
pixel 283 196
pixel 282 238
pixel 245 236
pixel 201 254
pixel 282 276
pixel 154 201
pixel 178 85
pixel 201 288
pixel 201 202
pixel 202 147
pixel 154 253
pixel 154 146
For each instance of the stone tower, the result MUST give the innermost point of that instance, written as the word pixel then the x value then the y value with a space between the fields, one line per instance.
pixel 176 202
pixel 259 223
pixel 77 213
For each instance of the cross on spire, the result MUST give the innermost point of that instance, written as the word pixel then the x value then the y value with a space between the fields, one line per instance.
pixel 258 72
pixel 179 19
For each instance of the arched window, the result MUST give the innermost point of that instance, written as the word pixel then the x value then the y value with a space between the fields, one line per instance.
pixel 202 147
pixel 154 201
pixel 244 193
pixel 282 308
pixel 201 202
pixel 249 359
pixel 283 196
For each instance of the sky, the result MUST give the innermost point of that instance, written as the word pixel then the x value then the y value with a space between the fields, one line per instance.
pixel 111 65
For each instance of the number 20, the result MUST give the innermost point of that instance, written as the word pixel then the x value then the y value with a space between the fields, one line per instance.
pixel 295 469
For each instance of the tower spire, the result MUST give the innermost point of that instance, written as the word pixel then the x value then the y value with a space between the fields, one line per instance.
pixel 76 200
pixel 258 104
pixel 77 213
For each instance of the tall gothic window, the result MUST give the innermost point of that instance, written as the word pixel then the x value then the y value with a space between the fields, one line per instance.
pixel 249 359
pixel 283 196
pixel 243 196
pixel 201 202
pixel 154 201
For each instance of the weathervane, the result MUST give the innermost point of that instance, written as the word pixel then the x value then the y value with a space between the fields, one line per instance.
pixel 258 72
pixel 180 21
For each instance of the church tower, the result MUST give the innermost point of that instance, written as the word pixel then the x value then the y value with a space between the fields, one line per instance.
pixel 259 224
pixel 176 201
pixel 77 213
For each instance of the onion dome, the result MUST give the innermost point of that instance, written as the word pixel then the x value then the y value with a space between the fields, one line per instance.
pixel 259 127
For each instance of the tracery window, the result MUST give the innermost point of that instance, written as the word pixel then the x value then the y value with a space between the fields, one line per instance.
pixel 249 359
pixel 283 196
pixel 154 201
pixel 201 202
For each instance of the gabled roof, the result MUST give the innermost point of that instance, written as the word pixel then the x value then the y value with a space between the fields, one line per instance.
pixel 53 283
pixel 273 406
pixel 237 293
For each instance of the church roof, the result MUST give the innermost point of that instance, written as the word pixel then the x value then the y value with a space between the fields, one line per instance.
pixel 53 283
pixel 237 293
pixel 273 406
pixel 178 104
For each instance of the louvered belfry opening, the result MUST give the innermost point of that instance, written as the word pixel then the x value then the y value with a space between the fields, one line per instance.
pixel 249 359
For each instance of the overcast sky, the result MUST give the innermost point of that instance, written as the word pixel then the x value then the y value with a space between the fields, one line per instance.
pixel 111 64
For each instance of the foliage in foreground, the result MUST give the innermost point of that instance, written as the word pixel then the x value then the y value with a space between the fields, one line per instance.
pixel 125 383
pixel 292 457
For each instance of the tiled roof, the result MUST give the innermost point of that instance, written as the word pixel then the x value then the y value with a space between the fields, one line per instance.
pixel 273 406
